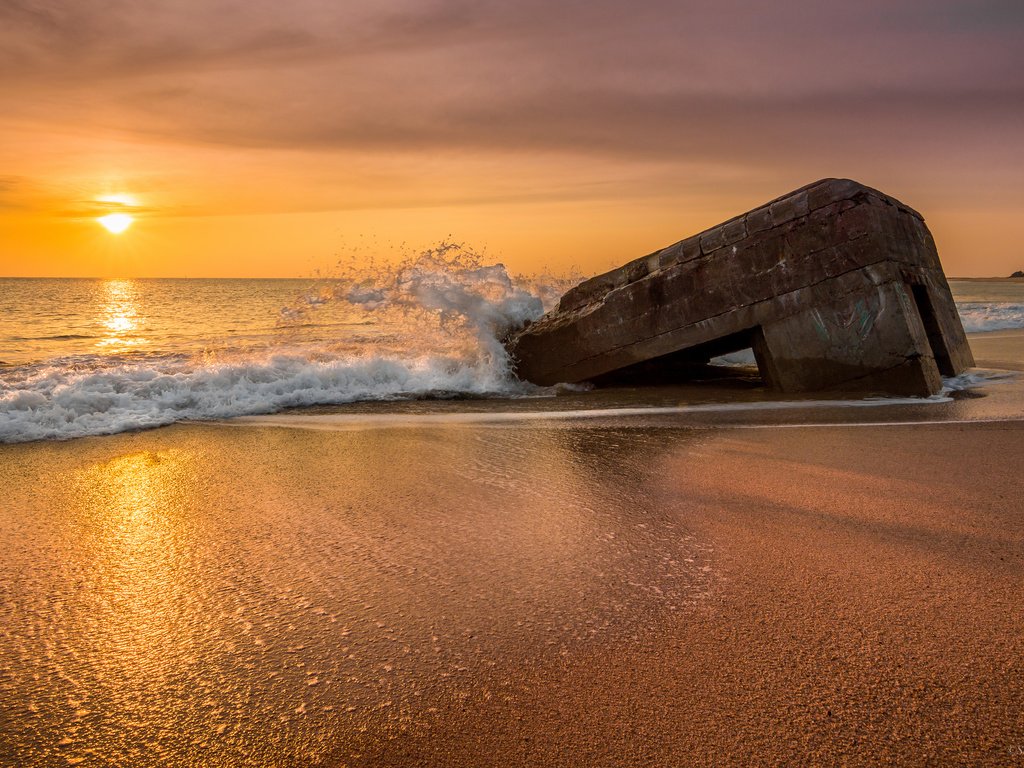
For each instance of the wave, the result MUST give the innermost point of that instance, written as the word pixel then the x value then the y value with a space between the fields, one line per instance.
pixel 58 337
pixel 431 326
pixel 438 319
pixel 53 404
pixel 980 316
pixel 342 421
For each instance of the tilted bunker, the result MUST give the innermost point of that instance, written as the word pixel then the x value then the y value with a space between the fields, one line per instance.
pixel 834 286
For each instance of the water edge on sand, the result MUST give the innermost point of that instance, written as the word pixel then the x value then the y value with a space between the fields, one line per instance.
pixel 630 589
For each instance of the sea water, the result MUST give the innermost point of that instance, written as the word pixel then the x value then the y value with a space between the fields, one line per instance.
pixel 83 357
pixel 98 356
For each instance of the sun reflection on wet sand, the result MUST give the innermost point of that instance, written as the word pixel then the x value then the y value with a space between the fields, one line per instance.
pixel 137 552
pixel 139 637
pixel 305 611
pixel 121 317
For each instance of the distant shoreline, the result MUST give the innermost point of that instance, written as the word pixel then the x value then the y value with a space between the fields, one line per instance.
pixel 987 279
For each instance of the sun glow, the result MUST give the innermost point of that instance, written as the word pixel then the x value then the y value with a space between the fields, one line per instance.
pixel 119 198
pixel 115 208
pixel 116 223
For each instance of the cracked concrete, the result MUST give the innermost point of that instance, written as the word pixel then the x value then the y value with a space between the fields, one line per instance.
pixel 835 285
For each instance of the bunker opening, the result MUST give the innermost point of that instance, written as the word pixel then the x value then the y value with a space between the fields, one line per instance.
pixel 732 360
pixel 936 340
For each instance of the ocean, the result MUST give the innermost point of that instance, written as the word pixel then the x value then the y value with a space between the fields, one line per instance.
pixel 98 356
pixel 395 553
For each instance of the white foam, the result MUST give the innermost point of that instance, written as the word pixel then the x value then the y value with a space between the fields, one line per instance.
pixel 991 316
pixel 974 378
pixel 57 404
pixel 342 421
pixel 437 322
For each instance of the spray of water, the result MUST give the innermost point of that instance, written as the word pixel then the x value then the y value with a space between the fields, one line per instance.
pixel 429 326
pixel 445 301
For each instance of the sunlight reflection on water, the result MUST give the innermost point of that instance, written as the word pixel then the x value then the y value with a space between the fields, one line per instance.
pixel 120 316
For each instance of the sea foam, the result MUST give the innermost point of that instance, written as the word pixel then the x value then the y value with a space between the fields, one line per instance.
pixel 980 316
pixel 54 403
pixel 436 322
pixel 430 326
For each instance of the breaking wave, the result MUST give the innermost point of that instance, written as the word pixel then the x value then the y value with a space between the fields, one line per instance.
pixel 56 404
pixel 429 327
pixel 991 316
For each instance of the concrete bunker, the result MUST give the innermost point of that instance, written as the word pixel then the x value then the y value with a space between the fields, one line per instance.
pixel 833 286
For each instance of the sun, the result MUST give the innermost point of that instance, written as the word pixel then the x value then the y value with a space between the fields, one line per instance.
pixel 116 223
pixel 115 218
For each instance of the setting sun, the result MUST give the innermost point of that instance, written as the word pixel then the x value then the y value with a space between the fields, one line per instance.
pixel 116 223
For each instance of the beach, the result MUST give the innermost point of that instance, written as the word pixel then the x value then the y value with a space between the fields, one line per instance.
pixel 445 384
pixel 687 588
pixel 347 538
pixel 858 618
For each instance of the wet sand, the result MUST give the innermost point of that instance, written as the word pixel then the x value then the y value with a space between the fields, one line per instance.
pixel 623 591
pixel 999 349
pixel 866 611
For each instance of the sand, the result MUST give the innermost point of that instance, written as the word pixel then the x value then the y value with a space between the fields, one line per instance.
pixel 627 591
pixel 999 349
pixel 866 612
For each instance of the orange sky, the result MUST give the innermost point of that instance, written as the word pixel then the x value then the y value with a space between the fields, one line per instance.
pixel 268 139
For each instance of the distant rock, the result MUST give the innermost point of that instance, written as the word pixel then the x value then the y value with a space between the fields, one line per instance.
pixel 1018 273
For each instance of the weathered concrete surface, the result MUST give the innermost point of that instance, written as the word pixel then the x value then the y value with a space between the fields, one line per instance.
pixel 835 285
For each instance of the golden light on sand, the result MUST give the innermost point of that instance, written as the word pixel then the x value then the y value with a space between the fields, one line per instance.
pixel 116 223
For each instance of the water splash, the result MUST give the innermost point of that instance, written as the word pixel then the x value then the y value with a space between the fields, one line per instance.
pixel 429 326
pixel 982 316
pixel 446 298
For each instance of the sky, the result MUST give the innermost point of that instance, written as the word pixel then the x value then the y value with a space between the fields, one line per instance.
pixel 258 138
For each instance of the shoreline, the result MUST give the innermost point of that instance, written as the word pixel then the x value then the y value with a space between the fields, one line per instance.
pixel 659 585
pixel 618 592
pixel 60 411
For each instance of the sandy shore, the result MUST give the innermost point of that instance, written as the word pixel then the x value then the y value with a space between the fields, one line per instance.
pixel 999 349
pixel 609 592
pixel 866 611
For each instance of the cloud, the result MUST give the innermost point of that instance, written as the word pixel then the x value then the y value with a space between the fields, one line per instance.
pixel 18 193
pixel 717 83
pixel 89 209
